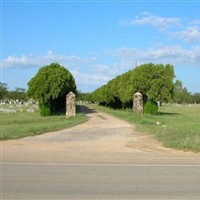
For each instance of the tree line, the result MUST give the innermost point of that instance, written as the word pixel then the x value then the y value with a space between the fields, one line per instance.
pixel 154 81
pixel 17 93
pixel 52 82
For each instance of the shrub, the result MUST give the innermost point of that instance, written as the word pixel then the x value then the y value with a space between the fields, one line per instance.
pixel 45 110
pixel 151 107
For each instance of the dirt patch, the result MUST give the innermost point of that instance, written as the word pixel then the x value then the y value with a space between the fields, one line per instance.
pixel 103 138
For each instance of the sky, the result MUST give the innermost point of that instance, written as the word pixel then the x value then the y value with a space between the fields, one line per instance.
pixel 98 40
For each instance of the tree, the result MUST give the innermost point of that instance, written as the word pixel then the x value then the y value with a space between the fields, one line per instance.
pixel 155 82
pixel 3 90
pixel 181 95
pixel 50 86
pixel 125 89
pixel 18 93
pixel 196 98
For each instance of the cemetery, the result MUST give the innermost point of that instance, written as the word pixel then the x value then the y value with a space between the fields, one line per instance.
pixel 13 106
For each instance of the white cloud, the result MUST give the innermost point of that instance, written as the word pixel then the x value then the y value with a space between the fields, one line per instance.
pixel 171 54
pixel 195 22
pixel 31 60
pixel 191 34
pixel 108 71
pixel 124 65
pixel 146 18
pixel 89 82
pixel 14 61
pixel 158 54
pixel 172 27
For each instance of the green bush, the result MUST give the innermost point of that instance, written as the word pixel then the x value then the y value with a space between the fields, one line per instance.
pixel 151 107
pixel 45 110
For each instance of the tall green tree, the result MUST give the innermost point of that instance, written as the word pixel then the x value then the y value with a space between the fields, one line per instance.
pixel 155 82
pixel 50 86
pixel 125 89
pixel 18 93
pixel 3 90
pixel 196 98
pixel 181 94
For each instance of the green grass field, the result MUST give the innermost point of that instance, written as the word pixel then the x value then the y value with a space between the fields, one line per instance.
pixel 22 124
pixel 179 125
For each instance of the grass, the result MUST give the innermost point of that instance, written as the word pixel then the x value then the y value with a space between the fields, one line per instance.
pixel 21 124
pixel 175 126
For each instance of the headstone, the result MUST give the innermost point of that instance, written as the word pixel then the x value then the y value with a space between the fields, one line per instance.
pixel 138 103
pixel 70 104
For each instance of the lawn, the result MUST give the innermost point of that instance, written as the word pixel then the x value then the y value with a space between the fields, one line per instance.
pixel 21 124
pixel 176 126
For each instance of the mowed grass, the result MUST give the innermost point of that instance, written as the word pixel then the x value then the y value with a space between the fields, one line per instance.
pixel 176 126
pixel 18 125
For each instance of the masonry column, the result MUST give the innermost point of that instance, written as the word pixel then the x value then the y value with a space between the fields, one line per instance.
pixel 70 104
pixel 138 103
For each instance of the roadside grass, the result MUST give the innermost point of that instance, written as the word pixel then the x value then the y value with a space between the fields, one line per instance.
pixel 21 124
pixel 176 126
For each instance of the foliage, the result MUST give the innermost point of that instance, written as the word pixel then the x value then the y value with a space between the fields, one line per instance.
pixel 155 82
pixel 196 98
pixel 86 97
pixel 18 93
pixel 3 90
pixel 45 109
pixel 151 107
pixel 181 95
pixel 50 86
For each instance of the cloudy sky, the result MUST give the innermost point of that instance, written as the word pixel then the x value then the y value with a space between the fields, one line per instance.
pixel 98 40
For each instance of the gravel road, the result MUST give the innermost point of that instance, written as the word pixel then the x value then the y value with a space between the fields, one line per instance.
pixel 102 139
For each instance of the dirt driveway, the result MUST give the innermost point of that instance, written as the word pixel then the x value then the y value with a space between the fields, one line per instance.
pixel 102 139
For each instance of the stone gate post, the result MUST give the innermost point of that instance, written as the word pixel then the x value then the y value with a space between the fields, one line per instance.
pixel 138 103
pixel 70 104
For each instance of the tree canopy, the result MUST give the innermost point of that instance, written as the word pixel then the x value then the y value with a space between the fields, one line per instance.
pixel 50 86
pixel 18 93
pixel 181 94
pixel 3 90
pixel 154 81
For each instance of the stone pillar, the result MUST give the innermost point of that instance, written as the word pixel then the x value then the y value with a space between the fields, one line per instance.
pixel 138 103
pixel 70 104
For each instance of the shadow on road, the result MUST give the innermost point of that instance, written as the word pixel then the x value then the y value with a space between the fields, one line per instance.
pixel 85 110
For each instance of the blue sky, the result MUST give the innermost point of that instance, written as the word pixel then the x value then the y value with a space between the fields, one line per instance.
pixel 98 40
